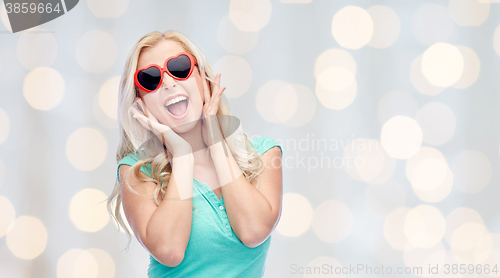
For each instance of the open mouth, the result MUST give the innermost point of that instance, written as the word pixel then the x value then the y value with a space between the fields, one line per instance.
pixel 178 106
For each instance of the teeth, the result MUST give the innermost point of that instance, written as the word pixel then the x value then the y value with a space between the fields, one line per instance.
pixel 175 100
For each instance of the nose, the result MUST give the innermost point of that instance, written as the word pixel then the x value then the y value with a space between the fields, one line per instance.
pixel 168 81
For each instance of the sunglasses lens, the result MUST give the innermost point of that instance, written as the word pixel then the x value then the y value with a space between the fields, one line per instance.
pixel 180 66
pixel 149 78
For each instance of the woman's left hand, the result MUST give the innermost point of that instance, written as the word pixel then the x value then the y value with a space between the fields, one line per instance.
pixel 211 129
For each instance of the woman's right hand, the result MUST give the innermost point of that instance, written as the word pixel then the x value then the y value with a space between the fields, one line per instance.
pixel 175 144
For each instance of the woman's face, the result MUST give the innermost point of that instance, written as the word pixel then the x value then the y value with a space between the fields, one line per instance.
pixel 192 88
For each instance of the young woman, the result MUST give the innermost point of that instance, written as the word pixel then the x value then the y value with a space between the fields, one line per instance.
pixel 197 194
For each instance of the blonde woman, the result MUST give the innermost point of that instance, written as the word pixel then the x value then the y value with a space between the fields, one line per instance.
pixel 197 194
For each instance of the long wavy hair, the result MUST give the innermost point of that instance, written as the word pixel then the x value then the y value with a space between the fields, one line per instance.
pixel 135 139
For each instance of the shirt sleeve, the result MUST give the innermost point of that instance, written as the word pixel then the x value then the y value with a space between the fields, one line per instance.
pixel 131 160
pixel 265 143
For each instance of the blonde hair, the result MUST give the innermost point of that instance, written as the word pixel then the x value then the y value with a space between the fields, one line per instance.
pixel 135 139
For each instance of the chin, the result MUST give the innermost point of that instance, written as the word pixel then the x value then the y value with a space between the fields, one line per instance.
pixel 185 127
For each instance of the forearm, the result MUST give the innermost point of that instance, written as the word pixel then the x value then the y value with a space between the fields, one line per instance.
pixel 249 212
pixel 171 222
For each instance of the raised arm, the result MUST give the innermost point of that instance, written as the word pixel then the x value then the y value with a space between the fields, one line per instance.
pixel 253 213
pixel 163 230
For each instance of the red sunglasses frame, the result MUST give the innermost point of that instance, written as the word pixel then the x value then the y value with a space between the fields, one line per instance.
pixel 165 69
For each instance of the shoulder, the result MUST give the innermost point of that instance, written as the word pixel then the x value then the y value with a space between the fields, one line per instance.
pixel 265 143
pixel 130 160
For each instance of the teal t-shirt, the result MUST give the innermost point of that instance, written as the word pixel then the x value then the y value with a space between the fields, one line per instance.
pixel 213 249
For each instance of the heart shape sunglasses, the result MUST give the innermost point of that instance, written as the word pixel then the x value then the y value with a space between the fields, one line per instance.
pixel 179 67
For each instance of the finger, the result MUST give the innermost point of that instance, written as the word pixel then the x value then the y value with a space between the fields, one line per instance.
pixel 217 100
pixel 217 82
pixel 143 121
pixel 214 105
pixel 206 92
pixel 216 93
pixel 134 111
pixel 144 107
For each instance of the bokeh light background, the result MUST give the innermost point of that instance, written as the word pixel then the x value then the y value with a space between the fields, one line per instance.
pixel 410 88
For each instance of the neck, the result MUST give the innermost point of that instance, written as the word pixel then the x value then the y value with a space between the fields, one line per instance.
pixel 195 138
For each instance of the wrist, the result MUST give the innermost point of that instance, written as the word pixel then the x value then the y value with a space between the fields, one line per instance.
pixel 183 154
pixel 218 148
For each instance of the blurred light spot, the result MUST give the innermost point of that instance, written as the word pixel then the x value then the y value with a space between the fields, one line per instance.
pixel 4 126
pixel 458 217
pixel 250 15
pixel 467 236
pixel 96 51
pixel 36 50
pixel 336 100
pixel 424 226
pixel 296 215
pixel 286 103
pixel 332 221
pixel 380 200
pixel 5 17
pixel 442 64
pixel 321 262
pixel 420 82
pixel 236 75
pixel 394 228
pixel 386 26
pixel 419 164
pixel 494 256
pixel 7 216
pixel 336 86
pixel 335 79
pixel 472 66
pixel 106 265
pixel 108 8
pixel 334 58
pixel 2 171
pixel 472 171
pixel 108 97
pixel 363 159
pixel 396 103
pixel 438 193
pixel 233 40
pixel 437 122
pixel 86 149
pixel 440 259
pixel 352 27
pixel 306 106
pixel 77 263
pixel 422 154
pixel 43 88
pixel 276 101
pixel 468 12
pixel 496 40
pixel 401 137
pixel 101 116
pixel 87 211
pixel 296 1
pixel 417 257
pixel 27 237
pixel 471 243
pixel 429 174
pixel 432 23
pixel 380 248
